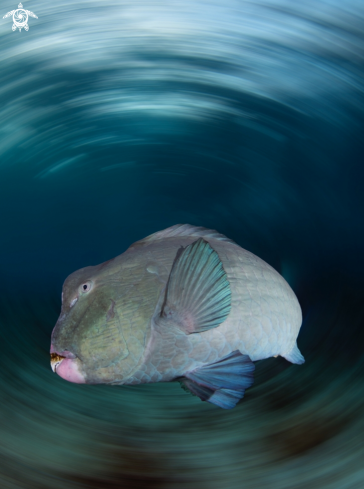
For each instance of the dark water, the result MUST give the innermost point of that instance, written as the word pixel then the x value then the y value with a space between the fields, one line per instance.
pixel 118 119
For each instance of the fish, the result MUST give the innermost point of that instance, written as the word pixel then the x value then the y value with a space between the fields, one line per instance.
pixel 184 304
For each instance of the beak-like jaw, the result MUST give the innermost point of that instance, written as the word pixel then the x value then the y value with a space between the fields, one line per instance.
pixel 66 365
pixel 56 360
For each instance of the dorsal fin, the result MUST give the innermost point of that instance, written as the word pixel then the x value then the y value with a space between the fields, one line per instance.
pixel 185 230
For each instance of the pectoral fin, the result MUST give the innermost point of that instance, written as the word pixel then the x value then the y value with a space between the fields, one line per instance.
pixel 222 383
pixel 198 295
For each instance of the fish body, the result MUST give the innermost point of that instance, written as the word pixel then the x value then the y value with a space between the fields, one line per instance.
pixel 183 304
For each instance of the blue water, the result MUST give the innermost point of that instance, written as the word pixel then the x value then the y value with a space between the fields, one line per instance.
pixel 119 119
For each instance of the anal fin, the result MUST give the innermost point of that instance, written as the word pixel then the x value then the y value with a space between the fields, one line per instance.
pixel 222 383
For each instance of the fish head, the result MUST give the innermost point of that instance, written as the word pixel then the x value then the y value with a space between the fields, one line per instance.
pixel 101 332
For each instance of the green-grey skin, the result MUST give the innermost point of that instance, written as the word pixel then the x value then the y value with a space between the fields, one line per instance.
pixel 116 332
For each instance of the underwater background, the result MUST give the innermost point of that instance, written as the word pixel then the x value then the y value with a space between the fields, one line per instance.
pixel 119 119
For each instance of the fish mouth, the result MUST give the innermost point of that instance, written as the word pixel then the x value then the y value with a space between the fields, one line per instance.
pixel 56 360
pixel 66 365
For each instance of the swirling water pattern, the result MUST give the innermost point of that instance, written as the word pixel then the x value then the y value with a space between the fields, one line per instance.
pixel 118 119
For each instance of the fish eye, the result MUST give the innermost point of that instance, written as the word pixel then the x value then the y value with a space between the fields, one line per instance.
pixel 85 287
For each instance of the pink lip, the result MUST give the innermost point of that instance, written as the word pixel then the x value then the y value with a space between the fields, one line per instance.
pixel 68 370
pixel 66 365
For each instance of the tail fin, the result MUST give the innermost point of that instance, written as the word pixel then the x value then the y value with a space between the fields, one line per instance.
pixel 294 356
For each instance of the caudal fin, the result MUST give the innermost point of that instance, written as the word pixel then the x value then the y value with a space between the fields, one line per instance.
pixel 294 356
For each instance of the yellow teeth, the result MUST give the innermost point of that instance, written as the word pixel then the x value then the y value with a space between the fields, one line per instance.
pixel 55 361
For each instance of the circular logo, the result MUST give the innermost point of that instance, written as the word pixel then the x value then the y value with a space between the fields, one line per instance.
pixel 20 18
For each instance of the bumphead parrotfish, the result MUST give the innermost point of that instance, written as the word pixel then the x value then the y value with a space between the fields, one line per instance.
pixel 185 304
